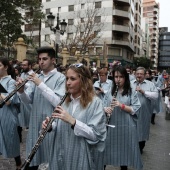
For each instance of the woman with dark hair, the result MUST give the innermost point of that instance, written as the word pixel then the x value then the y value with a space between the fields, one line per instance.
pixel 122 147
pixel 80 128
pixel 9 139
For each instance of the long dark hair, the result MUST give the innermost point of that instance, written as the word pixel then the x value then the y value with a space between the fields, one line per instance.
pixel 10 70
pixel 126 88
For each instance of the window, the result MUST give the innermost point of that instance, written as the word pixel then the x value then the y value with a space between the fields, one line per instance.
pixel 82 6
pixel 114 51
pixel 70 21
pixel 70 35
pixel 47 37
pixel 47 11
pixel 28 14
pixel 35 38
pixel 71 8
pixel 82 20
pixel 81 34
pixel 46 24
pixel 59 9
pixel 99 50
pixel 96 33
pixel 97 19
pixel 30 27
pixel 98 4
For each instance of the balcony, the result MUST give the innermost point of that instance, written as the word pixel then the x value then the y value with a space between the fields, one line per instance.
pixel 155 11
pixel 120 28
pixel 123 42
pixel 155 22
pixel 125 1
pixel 121 13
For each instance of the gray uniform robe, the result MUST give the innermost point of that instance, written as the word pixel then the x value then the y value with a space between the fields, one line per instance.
pixel 41 108
pixel 9 139
pixel 106 86
pixel 157 104
pixel 71 152
pixel 122 147
pixel 146 110
pixel 25 109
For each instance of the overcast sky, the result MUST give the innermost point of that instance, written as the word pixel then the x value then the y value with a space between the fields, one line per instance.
pixel 164 20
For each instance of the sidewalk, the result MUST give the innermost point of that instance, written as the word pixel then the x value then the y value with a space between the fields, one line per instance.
pixel 156 155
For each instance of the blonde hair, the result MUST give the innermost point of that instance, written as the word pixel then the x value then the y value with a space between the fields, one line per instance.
pixel 86 84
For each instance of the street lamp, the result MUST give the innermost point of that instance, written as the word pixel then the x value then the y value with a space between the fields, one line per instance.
pixel 57 30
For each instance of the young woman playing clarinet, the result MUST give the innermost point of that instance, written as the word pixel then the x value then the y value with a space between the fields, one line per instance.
pixel 9 138
pixel 80 128
pixel 122 149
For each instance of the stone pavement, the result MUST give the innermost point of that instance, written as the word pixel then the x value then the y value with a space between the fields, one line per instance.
pixel 156 155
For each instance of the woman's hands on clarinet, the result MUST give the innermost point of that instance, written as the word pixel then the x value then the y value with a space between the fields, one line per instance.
pixel 108 110
pixel 60 113
pixel 45 122
pixel 115 103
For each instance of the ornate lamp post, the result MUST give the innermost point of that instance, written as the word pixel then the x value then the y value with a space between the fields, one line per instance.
pixel 57 30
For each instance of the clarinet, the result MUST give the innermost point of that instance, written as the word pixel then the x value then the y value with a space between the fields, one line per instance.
pixel 2 102
pixel 43 133
pixel 114 96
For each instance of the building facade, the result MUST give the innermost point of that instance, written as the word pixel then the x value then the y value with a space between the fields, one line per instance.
pixel 151 11
pixel 164 48
pixel 137 29
pixel 116 40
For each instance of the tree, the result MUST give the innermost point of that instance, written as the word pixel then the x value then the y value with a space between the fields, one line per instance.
pixel 142 61
pixel 11 18
pixel 86 29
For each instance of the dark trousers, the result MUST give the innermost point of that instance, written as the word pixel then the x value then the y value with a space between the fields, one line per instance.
pixel 141 146
pixel 33 168
pixel 123 167
pixel 20 133
pixel 153 118
pixel 18 160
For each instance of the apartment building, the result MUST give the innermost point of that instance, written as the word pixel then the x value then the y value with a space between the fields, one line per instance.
pixel 145 50
pixel 138 41
pixel 116 36
pixel 151 11
pixel 164 48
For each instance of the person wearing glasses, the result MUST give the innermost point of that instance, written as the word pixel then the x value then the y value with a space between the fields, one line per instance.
pixel 147 94
pixel 79 129
pixel 122 149
pixel 44 94
pixel 103 85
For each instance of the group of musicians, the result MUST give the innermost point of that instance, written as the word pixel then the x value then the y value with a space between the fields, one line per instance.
pixel 100 124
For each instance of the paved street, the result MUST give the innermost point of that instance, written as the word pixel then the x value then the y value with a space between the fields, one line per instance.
pixel 156 154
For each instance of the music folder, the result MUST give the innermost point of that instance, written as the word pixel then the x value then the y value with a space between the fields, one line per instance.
pixel 2 89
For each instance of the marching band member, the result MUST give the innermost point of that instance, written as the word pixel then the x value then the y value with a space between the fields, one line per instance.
pixel 44 94
pixel 80 128
pixel 9 138
pixel 146 91
pixel 122 147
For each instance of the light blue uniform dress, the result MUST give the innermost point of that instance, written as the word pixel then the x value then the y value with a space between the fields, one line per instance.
pixel 9 139
pixel 71 152
pixel 146 110
pixel 122 147
pixel 157 104
pixel 41 108
pixel 106 86
pixel 25 109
